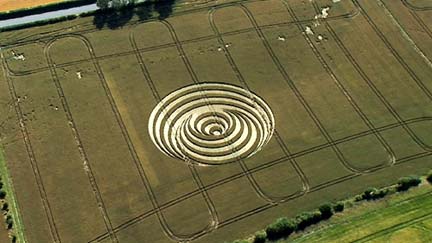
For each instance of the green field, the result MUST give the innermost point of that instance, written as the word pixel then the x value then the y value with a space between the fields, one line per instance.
pixel 352 106
pixel 405 217
pixel 3 230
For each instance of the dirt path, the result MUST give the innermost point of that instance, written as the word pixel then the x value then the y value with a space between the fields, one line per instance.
pixel 9 5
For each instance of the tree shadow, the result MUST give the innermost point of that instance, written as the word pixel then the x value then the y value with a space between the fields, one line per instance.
pixel 118 17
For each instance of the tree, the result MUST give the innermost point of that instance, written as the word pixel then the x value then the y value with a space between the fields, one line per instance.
pixel 103 4
pixel 9 221
pixel 429 177
pixel 260 237
pixel 306 219
pixel 2 194
pixel 405 183
pixel 326 210
pixel 283 227
pixel 339 207
pixel 5 206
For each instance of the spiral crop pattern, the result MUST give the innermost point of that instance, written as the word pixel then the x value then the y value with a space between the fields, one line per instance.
pixel 211 123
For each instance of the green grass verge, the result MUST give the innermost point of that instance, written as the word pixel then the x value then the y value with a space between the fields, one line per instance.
pixel 390 220
pixel 11 199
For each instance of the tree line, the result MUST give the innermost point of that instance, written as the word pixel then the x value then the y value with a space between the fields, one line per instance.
pixel 116 13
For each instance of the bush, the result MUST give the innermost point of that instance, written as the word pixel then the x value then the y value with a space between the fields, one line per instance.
pixel 358 198
pixel 2 194
pixel 14 239
pixel 326 210
pixel 307 219
pixel 368 194
pixel 283 227
pixel 9 221
pixel 429 177
pixel 406 183
pixel 338 207
pixel 380 193
pixel 240 241
pixel 260 237
pixel 5 206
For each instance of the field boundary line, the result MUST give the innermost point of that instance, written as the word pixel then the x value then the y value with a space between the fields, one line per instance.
pixel 304 180
pixel 255 186
pixel 298 94
pixel 393 228
pixel 415 8
pixel 19 228
pixel 78 141
pixel 395 53
pixel 33 162
pixel 156 206
pixel 345 92
pixel 404 33
pixel 90 26
pixel 147 214
pixel 375 90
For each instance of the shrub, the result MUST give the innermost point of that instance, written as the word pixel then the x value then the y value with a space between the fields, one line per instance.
pixel 2 194
pixel 5 206
pixel 368 194
pixel 358 198
pixel 9 221
pixel 307 219
pixel 429 177
pixel 260 237
pixel 380 193
pixel 14 239
pixel 240 241
pixel 1 184
pixel 406 183
pixel 326 210
pixel 283 227
pixel 339 207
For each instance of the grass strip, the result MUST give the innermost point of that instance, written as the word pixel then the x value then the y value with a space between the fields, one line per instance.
pixel 11 199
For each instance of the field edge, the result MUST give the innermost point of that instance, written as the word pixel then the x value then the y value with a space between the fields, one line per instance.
pixel 10 194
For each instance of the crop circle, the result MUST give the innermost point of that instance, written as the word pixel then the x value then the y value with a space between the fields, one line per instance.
pixel 211 123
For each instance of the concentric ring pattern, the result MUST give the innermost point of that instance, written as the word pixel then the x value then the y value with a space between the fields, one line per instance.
pixel 211 123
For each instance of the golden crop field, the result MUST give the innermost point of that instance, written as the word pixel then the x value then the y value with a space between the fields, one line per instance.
pixel 324 101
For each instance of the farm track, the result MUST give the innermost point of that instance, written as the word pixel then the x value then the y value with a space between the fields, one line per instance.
pixel 90 26
pixel 384 39
pixel 153 48
pixel 418 18
pixel 371 131
pixel 35 168
pixel 242 80
pixel 299 96
pixel 182 53
pixel 194 172
pixel 405 34
pixel 415 8
pixel 248 172
pixel 375 90
pixel 80 147
pixel 347 95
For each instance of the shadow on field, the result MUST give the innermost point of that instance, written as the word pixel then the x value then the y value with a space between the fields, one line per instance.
pixel 116 18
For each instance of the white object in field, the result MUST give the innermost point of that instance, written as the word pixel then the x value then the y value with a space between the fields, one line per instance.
pixel 309 31
pixel 281 38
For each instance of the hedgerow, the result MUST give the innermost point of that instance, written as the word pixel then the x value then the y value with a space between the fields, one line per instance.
pixel 283 227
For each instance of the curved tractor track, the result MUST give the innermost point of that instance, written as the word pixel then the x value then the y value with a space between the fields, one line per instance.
pixel 247 172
